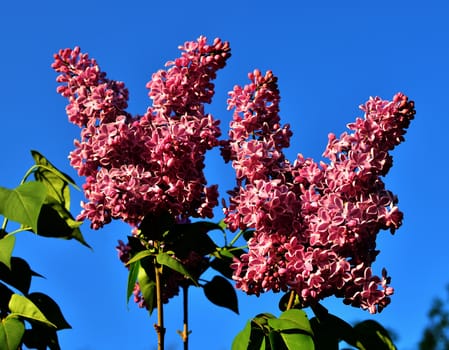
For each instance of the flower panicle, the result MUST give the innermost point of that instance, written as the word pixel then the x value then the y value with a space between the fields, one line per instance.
pixel 315 224
pixel 136 165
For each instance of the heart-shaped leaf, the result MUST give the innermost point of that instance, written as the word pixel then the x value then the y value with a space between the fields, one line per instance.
pixel 41 337
pixel 50 309
pixel 297 319
pixel 19 276
pixel 24 307
pixel 56 182
pixel 23 204
pixel 6 248
pixel 221 292
pixel 11 333
pixel 373 335
pixel 55 221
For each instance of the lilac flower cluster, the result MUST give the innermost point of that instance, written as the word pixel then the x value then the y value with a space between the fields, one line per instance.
pixel 135 165
pixel 315 225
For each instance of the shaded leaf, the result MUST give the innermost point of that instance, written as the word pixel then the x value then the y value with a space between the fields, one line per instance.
pixel 373 335
pixel 248 233
pixel 276 341
pixel 40 337
pixel 251 337
pixel 294 341
pixel 5 297
pixel 50 309
pixel 55 221
pixel 24 307
pixel 221 292
pixel 167 260
pixel 19 276
pixel 223 266
pixel 11 333
pixel 56 182
pixel 6 248
pixel 326 337
pixel 154 226
pixel 23 203
pixel 185 238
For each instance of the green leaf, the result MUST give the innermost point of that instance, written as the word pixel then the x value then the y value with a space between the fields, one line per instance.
pixel 167 260
pixel 223 266
pixel 55 221
pixel 5 297
pixel 228 252
pixel 185 238
pixel 277 342
pixel 148 289
pixel 23 203
pixel 24 307
pixel 139 256
pixel 222 225
pixel 11 333
pixel 50 309
pixel 241 340
pixel 294 341
pixel 6 248
pixel 204 226
pixel 252 337
pixel 19 276
pixel 298 318
pixel 154 226
pixel 372 335
pixel 221 292
pixel 330 329
pixel 41 337
pixel 261 320
pixel 132 278
pixel 56 182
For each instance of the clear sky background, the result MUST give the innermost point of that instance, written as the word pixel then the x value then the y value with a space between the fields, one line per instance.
pixel 330 56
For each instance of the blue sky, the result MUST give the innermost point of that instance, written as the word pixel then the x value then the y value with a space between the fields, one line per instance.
pixel 329 56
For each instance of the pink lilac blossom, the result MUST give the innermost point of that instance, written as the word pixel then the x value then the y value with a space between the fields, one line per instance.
pixel 315 225
pixel 135 165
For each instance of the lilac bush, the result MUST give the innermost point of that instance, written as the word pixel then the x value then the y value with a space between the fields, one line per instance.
pixel 311 227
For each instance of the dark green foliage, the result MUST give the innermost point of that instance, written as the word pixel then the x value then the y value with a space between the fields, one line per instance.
pixel 40 206
pixel 171 253
pixel 222 293
pixel 329 330
pixel 291 331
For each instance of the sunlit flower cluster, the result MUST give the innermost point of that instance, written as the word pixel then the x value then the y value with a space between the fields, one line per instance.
pixel 315 225
pixel 135 165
